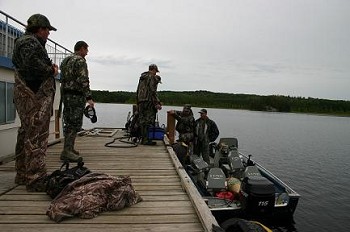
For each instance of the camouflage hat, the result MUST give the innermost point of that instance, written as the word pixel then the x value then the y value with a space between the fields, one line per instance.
pixel 153 67
pixel 187 106
pixel 39 20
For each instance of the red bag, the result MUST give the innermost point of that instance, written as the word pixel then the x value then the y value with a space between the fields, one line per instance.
pixel 225 195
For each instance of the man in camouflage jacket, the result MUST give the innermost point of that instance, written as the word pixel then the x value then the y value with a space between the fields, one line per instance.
pixel 185 124
pixel 75 89
pixel 34 93
pixel 206 131
pixel 147 101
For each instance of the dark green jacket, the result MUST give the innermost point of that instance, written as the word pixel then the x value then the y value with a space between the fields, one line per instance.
pixel 211 131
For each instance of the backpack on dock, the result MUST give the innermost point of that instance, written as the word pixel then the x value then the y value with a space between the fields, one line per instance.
pixel 59 179
pixel 132 126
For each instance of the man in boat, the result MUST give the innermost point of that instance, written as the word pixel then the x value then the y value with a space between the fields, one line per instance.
pixel 185 126
pixel 75 89
pixel 148 102
pixel 34 92
pixel 206 131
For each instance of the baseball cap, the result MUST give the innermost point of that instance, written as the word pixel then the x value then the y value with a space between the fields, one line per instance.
pixel 153 66
pixel 39 20
pixel 203 111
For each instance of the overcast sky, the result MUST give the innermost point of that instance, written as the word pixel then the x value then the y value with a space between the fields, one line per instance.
pixel 264 47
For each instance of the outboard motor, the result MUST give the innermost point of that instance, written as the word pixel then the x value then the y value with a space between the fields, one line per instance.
pixel 257 193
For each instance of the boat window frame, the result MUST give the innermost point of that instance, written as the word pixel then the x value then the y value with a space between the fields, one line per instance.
pixel 7 105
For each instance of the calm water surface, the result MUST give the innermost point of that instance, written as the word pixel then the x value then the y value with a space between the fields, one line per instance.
pixel 310 153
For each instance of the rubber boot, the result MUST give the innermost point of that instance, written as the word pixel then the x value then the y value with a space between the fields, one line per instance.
pixel 67 153
pixel 73 145
pixel 143 134
pixel 145 139
pixel 38 185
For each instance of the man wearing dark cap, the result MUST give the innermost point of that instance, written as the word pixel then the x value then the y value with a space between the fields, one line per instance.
pixel 34 92
pixel 148 102
pixel 185 127
pixel 75 88
pixel 206 131
pixel 185 124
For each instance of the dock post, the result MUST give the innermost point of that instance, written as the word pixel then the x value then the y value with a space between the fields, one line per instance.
pixel 170 127
pixel 57 124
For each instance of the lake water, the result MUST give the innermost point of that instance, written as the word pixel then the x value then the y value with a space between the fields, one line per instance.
pixel 310 153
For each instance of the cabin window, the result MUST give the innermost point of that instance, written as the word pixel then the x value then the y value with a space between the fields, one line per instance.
pixel 7 107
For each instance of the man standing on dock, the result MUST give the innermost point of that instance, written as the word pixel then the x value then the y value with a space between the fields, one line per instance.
pixel 206 131
pixel 147 101
pixel 75 89
pixel 34 93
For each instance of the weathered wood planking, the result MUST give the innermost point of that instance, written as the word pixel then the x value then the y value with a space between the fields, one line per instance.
pixel 166 206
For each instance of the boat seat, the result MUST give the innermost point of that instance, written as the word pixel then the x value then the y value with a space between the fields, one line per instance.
pixel 231 142
pixel 216 180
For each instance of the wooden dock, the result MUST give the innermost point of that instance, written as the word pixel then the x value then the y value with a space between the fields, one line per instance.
pixel 170 201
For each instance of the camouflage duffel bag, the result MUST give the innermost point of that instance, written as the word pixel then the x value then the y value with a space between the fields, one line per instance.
pixel 59 179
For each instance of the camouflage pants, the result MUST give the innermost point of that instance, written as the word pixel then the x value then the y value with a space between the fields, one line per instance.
pixel 72 118
pixel 147 113
pixel 147 116
pixel 34 110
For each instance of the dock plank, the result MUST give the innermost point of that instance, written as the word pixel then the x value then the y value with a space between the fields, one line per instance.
pixel 188 227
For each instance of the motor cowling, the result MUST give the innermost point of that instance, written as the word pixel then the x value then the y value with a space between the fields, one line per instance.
pixel 257 193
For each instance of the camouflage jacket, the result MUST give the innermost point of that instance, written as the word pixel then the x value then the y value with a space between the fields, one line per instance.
pixel 147 88
pixel 75 76
pixel 185 124
pixel 31 59
pixel 211 131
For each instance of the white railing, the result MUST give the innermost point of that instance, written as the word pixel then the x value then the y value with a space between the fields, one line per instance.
pixel 10 30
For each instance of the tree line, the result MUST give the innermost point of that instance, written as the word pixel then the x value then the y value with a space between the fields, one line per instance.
pixel 202 98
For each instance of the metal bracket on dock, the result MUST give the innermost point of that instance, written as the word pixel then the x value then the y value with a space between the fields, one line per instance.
pixel 100 132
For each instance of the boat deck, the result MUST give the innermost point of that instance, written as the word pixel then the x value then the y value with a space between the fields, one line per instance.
pixel 169 203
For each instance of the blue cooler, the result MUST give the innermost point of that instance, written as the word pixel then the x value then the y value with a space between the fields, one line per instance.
pixel 156 133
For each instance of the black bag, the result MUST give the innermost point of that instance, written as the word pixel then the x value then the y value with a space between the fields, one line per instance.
pixel 132 126
pixel 59 179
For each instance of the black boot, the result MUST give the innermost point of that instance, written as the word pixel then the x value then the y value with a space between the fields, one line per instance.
pixel 145 139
